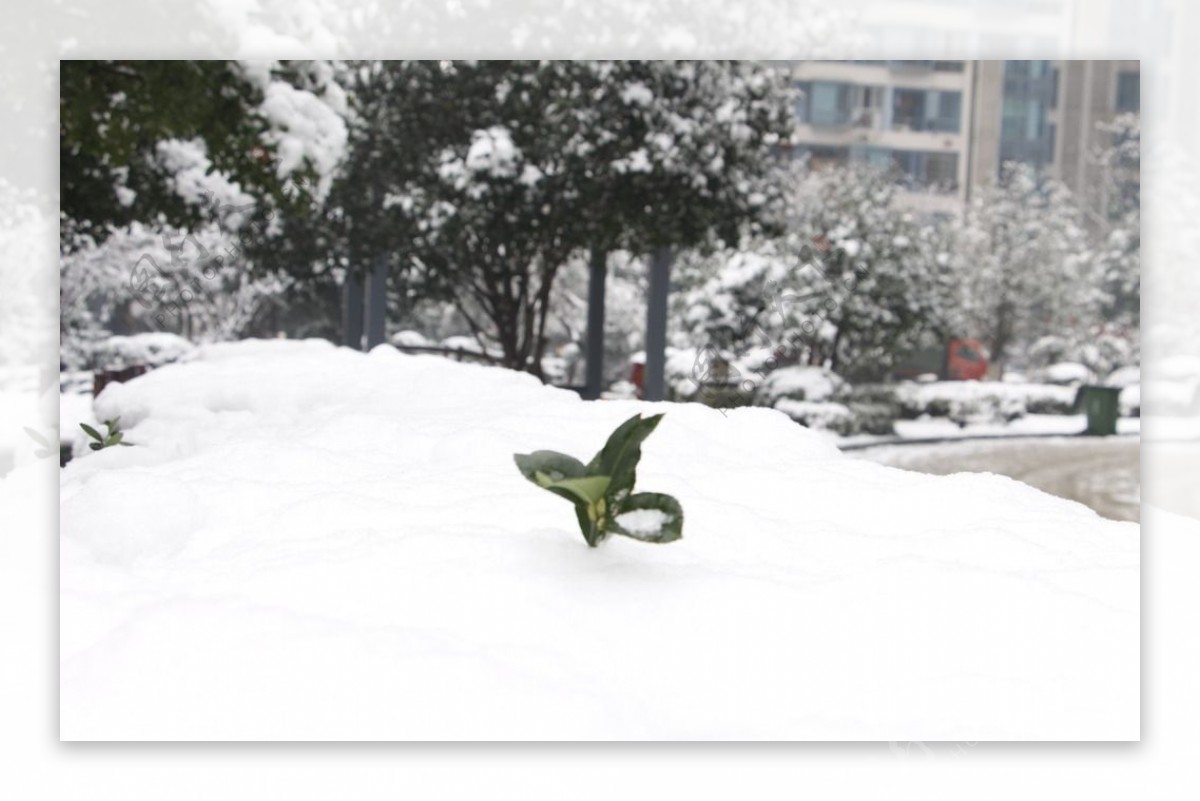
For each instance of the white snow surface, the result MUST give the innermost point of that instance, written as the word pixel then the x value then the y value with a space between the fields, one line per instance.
pixel 312 543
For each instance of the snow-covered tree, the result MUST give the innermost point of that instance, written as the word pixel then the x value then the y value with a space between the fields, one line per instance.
pixel 1026 267
pixel 1119 226
pixel 479 181
pixel 143 141
pixel 852 283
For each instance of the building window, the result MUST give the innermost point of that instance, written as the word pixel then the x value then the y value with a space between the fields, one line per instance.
pixel 908 109
pixel 1129 91
pixel 828 103
pixel 1030 91
pixel 947 115
pixel 921 110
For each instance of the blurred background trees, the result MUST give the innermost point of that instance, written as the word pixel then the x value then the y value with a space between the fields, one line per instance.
pixel 220 200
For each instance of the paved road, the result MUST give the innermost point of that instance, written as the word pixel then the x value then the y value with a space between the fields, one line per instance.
pixel 1101 472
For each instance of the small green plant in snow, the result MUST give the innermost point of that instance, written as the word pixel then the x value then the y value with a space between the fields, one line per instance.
pixel 114 435
pixel 602 490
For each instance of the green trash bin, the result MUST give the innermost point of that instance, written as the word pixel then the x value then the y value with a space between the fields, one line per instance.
pixel 1102 406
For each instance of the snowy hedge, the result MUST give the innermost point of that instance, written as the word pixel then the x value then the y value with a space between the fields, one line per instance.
pixel 1001 399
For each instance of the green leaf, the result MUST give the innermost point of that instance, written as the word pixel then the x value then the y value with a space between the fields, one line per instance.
pixel 669 523
pixel 587 489
pixel 95 446
pixel 586 526
pixel 553 464
pixel 91 432
pixel 115 438
pixel 620 455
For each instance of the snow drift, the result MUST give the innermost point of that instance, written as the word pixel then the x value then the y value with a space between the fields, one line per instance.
pixel 313 543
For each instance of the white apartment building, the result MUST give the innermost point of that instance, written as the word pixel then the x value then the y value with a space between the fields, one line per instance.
pixel 946 127
pixel 910 115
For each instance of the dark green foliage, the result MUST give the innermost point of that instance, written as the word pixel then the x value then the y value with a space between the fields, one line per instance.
pixel 602 490
pixel 609 155
pixel 114 114
pixel 112 436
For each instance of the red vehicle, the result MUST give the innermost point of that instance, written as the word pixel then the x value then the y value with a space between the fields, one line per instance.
pixel 957 360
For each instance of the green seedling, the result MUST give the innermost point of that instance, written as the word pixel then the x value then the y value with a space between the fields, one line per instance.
pixel 115 435
pixel 602 490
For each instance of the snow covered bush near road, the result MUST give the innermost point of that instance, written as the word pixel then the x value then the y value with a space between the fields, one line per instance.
pixel 798 383
pixel 1130 400
pixel 819 415
pixel 314 543
pixel 941 398
pixel 1124 377
pixel 153 348
pixel 1070 373
pixel 1129 379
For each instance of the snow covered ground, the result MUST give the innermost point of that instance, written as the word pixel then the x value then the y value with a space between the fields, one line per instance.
pixel 312 543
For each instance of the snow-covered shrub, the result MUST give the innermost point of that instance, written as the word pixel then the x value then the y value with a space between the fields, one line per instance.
pixel 875 408
pixel 992 408
pixel 1000 400
pixel 1101 351
pixel 1130 400
pixel 410 339
pixel 798 383
pixel 869 409
pixel 1124 377
pixel 1066 373
pixel 1046 351
pixel 820 415
pixel 1049 402
pixel 602 490
pixel 152 349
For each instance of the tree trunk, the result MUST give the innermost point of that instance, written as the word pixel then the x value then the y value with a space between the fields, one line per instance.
pixel 654 377
pixel 595 325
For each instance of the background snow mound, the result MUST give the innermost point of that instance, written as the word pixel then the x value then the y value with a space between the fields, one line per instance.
pixel 299 516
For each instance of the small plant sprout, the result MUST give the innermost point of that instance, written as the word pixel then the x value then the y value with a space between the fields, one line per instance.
pixel 115 435
pixel 602 490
